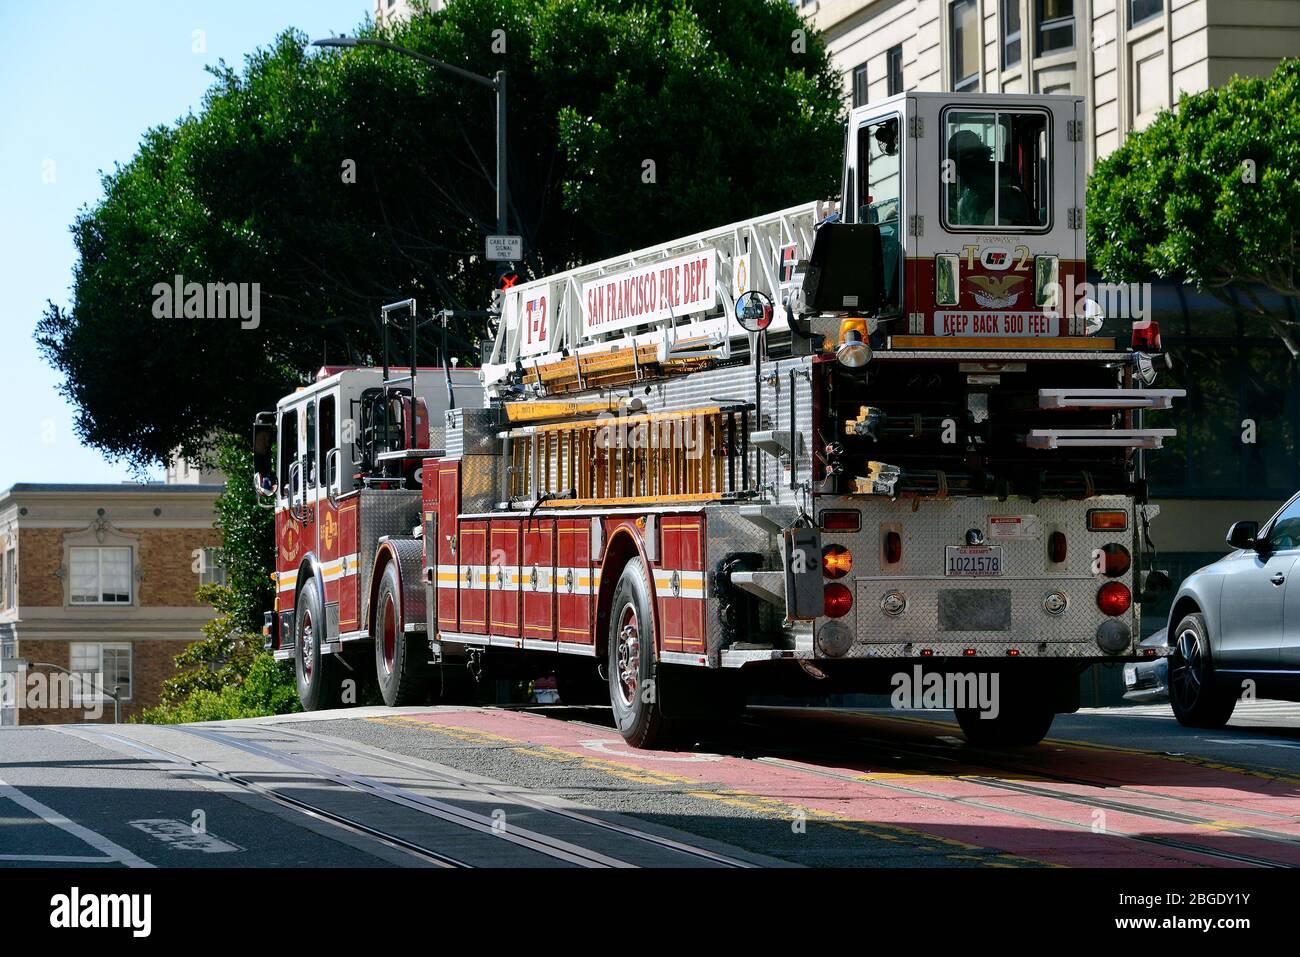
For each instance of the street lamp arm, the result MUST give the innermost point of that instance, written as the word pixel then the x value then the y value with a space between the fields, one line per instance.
pixel 371 42
pixel 50 664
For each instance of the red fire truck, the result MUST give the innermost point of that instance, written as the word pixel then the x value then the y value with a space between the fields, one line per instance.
pixel 808 452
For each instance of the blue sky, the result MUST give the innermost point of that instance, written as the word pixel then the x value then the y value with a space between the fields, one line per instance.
pixel 80 81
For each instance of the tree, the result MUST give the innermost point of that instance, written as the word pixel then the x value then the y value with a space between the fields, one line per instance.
pixel 1209 194
pixel 343 180
pixel 226 674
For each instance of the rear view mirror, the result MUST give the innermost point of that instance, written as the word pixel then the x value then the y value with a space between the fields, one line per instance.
pixel 846 270
pixel 1242 534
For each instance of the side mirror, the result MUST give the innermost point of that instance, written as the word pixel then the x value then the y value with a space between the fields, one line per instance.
pixel 846 270
pixel 1242 534
pixel 754 311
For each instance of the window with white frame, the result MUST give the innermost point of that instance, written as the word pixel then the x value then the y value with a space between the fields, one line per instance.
pixel 100 667
pixel 8 578
pixel 99 576
pixel 1010 33
pixel 212 570
pixel 1139 11
pixel 964 28
pixel 1055 21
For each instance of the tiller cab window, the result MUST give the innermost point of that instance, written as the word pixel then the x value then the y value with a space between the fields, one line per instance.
pixel 997 169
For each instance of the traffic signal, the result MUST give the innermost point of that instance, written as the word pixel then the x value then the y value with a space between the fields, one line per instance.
pixel 506 276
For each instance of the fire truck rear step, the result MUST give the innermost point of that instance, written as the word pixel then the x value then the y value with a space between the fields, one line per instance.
pixel 1098 438
pixel 1108 398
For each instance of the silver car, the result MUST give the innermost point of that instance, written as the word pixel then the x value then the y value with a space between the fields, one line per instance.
pixel 1234 629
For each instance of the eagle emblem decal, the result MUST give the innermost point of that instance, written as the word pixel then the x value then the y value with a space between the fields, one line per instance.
pixel 996 292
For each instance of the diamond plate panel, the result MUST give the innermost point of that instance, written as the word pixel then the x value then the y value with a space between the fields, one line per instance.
pixel 381 512
pixel 1029 575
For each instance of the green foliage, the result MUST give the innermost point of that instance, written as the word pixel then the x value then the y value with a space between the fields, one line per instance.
pixel 1178 200
pixel 264 690
pixel 254 188
pixel 225 674
pixel 247 535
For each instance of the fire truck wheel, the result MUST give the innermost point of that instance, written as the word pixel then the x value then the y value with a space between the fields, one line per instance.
pixel 1021 721
pixel 632 668
pixel 401 659
pixel 1197 699
pixel 319 675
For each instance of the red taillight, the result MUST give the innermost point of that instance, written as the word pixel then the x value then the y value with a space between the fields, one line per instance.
pixel 893 547
pixel 1116 560
pixel 837 561
pixel 1146 335
pixel 1107 520
pixel 838 600
pixel 1114 598
pixel 841 520
pixel 1056 547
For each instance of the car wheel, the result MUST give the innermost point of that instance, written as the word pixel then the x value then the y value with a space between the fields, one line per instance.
pixel 1198 701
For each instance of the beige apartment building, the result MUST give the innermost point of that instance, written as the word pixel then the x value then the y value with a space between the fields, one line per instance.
pixel 99 580
pixel 1129 58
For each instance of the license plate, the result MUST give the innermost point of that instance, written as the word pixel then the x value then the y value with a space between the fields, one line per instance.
pixel 972 561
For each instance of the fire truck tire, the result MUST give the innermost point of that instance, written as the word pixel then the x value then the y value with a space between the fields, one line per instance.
pixel 1194 693
pixel 401 659
pixel 1021 722
pixel 633 672
pixel 319 676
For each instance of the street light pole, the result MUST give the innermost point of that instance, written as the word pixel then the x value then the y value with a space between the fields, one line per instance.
pixel 497 83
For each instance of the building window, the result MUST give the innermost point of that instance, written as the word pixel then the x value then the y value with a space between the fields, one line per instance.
pixel 894 69
pixel 1139 11
pixel 1001 165
pixel 212 567
pixel 9 578
pixel 100 667
pixel 1010 33
pixel 963 23
pixel 1055 21
pixel 100 576
pixel 860 86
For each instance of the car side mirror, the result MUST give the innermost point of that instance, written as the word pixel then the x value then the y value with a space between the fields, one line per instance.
pixel 1242 534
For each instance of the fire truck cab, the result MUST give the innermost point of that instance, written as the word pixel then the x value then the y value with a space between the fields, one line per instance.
pixel 340 461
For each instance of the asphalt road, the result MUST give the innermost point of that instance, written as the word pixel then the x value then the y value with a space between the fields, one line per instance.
pixel 556 787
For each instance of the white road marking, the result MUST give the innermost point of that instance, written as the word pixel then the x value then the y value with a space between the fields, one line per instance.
pixel 55 859
pixel 1248 742
pixel 621 749
pixel 180 836
pixel 50 816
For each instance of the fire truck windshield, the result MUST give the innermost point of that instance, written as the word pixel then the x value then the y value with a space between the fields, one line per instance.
pixel 996 169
